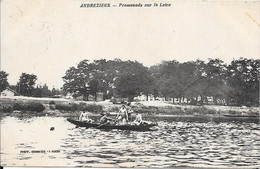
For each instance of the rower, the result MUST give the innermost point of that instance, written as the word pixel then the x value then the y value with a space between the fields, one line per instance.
pixel 105 119
pixel 84 117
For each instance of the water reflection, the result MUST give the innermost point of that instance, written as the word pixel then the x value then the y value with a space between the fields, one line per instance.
pixel 176 143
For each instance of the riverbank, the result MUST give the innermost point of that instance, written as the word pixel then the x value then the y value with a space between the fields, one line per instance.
pixel 68 107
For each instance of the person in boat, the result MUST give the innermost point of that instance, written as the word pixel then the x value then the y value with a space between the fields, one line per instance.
pixel 106 120
pixel 84 117
pixel 122 115
pixel 129 112
pixel 138 119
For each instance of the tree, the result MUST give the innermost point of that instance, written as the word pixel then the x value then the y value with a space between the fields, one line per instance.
pixel 177 80
pixel 55 91
pixel 94 87
pixel 3 81
pixel 197 84
pixel 45 91
pixel 243 81
pixel 42 91
pixel 105 74
pixel 77 79
pixel 215 79
pixel 113 77
pixel 168 82
pixel 38 91
pixel 208 80
pixel 26 84
pixel 133 80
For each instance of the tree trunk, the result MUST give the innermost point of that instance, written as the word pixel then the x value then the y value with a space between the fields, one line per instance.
pixel 206 99
pixel 85 97
pixel 180 100
pixel 147 97
pixel 95 96
pixel 130 98
pixel 215 100
pixel 201 100
pixel 173 100
pixel 227 102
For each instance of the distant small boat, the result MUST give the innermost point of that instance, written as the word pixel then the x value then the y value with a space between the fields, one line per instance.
pixel 141 127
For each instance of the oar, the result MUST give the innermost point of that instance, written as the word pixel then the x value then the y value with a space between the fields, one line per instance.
pixel 105 123
pixel 101 125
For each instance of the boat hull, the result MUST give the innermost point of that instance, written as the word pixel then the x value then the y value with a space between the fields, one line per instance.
pixel 142 127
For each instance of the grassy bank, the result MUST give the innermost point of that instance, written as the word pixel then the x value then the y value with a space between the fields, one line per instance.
pixel 62 107
pixel 197 110
pixel 40 107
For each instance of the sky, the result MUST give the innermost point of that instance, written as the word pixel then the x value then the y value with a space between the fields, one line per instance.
pixel 46 37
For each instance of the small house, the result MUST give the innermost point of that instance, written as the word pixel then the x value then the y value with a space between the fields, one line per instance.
pixel 9 93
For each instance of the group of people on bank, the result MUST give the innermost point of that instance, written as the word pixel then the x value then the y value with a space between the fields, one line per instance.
pixel 124 116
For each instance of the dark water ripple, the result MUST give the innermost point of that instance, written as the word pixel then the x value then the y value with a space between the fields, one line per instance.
pixel 174 144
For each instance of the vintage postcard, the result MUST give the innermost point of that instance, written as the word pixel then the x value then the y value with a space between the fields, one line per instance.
pixel 130 83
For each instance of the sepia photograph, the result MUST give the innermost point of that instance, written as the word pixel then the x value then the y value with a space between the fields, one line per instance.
pixel 130 84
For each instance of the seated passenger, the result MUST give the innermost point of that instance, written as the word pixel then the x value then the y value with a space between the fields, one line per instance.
pixel 138 120
pixel 84 117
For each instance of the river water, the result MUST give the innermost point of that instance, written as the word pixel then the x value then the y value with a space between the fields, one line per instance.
pixel 28 141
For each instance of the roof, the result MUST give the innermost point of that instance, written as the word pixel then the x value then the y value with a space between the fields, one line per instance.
pixel 7 88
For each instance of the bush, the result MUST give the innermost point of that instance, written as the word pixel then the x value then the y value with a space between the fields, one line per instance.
pixel 18 106
pixel 63 107
pixel 75 107
pixel 52 107
pixel 93 108
pixel 6 109
pixel 31 106
pixel 51 102
pixel 80 107
pixel 114 109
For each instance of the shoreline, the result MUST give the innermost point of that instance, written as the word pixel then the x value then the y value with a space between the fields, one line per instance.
pixel 63 107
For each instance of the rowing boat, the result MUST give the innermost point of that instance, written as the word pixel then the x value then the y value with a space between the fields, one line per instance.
pixel 141 127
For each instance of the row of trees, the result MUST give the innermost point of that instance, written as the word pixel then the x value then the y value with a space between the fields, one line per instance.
pixel 26 86
pixel 236 83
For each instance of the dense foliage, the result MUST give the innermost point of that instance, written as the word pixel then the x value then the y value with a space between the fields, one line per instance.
pixel 80 107
pixel 26 86
pixel 235 84
pixel 116 77
pixel 30 106
pixel 196 81
pixel 26 83
pixel 3 80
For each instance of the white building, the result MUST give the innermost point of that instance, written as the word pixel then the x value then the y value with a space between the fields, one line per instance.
pixel 8 93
